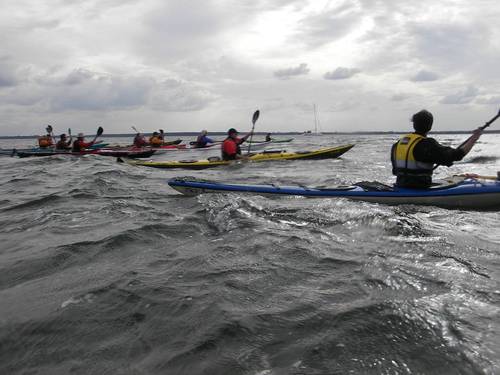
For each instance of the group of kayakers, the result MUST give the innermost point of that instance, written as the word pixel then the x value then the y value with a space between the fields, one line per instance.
pixel 230 147
pixel 156 140
pixel 414 156
pixel 65 143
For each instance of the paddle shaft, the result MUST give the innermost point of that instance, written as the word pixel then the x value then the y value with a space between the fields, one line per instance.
pixel 488 123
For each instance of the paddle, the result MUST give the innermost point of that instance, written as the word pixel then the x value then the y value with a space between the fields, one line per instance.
pixel 488 123
pixel 49 132
pixel 100 130
pixel 255 117
pixel 473 175
pixel 135 129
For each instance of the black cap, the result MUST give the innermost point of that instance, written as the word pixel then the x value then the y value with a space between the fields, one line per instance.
pixel 422 121
pixel 232 131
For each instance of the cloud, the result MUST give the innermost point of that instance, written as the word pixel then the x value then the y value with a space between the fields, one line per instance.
pixel 489 100
pixel 290 72
pixel 424 76
pixel 86 90
pixel 176 96
pixel 400 97
pixel 329 25
pixel 182 63
pixel 102 93
pixel 464 96
pixel 8 74
pixel 341 73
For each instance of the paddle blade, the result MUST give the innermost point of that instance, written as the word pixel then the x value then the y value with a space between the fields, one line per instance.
pixel 69 131
pixel 255 117
pixel 100 130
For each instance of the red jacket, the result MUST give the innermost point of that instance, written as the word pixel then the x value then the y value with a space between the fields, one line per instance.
pixel 79 145
pixel 231 148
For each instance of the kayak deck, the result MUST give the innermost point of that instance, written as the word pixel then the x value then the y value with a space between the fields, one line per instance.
pixel 459 192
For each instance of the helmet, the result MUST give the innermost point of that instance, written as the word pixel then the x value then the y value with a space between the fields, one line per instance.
pixel 422 121
pixel 232 131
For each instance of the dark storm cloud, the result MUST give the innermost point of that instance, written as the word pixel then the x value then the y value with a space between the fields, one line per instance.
pixel 291 72
pixel 341 73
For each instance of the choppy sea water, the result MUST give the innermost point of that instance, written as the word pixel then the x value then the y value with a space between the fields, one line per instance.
pixel 104 269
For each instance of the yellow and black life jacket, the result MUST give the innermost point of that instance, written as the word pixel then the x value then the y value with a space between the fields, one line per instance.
pixel 403 159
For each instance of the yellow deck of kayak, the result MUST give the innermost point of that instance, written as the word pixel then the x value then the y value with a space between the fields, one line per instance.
pixel 324 153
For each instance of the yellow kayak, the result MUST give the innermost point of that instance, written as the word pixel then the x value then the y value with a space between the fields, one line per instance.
pixel 323 153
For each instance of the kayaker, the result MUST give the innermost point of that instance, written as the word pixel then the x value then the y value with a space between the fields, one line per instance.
pixel 413 157
pixel 45 141
pixel 79 144
pixel 203 139
pixel 140 140
pixel 64 143
pixel 155 140
pixel 231 146
pixel 268 137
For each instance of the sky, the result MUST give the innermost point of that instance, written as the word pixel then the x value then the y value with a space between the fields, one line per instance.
pixel 185 65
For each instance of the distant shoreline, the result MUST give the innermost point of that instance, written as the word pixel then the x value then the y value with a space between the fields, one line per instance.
pixel 275 134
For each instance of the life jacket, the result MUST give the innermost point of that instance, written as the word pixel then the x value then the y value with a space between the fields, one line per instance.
pixel 403 159
pixel 45 141
pixel 155 141
pixel 225 154
pixel 201 141
pixel 139 142
pixel 78 145
pixel 62 145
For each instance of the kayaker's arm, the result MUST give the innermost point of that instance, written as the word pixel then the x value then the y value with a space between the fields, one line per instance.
pixel 430 151
pixel 467 146
pixel 243 139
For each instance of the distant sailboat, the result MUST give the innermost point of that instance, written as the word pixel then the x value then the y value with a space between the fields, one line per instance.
pixel 316 124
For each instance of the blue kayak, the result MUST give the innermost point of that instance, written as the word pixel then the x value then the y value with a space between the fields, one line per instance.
pixel 454 192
